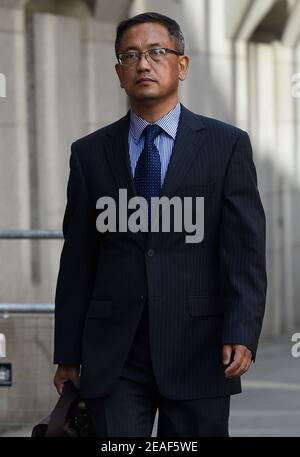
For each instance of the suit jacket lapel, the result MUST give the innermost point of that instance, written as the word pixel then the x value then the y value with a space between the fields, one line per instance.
pixel 189 138
pixel 118 155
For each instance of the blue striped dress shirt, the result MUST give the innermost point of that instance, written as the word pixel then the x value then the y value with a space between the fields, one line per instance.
pixel 164 142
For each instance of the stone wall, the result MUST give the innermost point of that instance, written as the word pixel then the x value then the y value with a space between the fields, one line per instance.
pixel 29 348
pixel 57 61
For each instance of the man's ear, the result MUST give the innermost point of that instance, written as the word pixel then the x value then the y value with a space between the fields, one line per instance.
pixel 118 70
pixel 183 67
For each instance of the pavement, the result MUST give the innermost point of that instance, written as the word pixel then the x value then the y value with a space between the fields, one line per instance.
pixel 270 403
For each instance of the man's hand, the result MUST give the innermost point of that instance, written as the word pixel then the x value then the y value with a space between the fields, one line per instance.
pixel 242 358
pixel 65 373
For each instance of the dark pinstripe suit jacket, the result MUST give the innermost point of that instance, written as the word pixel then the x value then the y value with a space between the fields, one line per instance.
pixel 200 296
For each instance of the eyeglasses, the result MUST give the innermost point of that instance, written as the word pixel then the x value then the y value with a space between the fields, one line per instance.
pixel 157 55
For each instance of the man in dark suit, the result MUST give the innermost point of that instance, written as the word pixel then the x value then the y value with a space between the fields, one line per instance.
pixel 146 320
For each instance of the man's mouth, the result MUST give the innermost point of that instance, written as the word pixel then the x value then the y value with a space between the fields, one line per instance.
pixel 145 81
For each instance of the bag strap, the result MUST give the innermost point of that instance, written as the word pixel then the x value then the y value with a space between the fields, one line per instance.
pixel 60 412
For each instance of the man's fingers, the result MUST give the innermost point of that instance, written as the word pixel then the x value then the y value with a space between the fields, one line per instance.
pixel 249 364
pixel 233 367
pixel 59 380
pixel 238 371
pixel 60 388
pixel 59 384
pixel 75 380
pixel 239 366
pixel 227 350
pixel 64 374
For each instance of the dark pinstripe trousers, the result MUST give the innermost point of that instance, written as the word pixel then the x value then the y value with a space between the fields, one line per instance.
pixel 131 407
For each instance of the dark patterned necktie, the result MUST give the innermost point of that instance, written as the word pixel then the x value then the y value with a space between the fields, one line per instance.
pixel 147 175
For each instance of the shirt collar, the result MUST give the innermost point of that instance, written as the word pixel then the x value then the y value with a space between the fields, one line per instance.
pixel 169 123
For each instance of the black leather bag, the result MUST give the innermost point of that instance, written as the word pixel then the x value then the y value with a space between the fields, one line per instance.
pixel 69 417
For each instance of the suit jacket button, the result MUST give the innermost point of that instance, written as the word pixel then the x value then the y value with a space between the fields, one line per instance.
pixel 142 297
pixel 150 253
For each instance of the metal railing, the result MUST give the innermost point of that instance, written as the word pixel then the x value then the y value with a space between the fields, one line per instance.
pixel 25 308
pixel 28 308
pixel 31 234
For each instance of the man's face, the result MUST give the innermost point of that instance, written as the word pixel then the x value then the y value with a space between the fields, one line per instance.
pixel 165 75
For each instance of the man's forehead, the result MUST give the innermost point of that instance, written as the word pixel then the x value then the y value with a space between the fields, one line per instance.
pixel 150 34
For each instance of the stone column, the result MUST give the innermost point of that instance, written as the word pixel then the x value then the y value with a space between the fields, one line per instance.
pixel 14 173
pixel 286 165
pixel 104 100
pixel 55 67
pixel 296 195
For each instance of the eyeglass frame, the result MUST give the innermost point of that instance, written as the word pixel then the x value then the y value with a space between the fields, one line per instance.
pixel 168 50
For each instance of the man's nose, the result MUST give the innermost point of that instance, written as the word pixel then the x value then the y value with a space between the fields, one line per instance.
pixel 143 63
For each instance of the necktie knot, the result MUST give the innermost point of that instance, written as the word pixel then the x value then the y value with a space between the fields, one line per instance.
pixel 151 131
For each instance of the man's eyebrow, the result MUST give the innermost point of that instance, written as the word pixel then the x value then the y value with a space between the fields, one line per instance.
pixel 134 48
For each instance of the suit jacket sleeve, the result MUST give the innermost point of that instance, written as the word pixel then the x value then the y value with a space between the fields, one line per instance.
pixel 242 250
pixel 77 266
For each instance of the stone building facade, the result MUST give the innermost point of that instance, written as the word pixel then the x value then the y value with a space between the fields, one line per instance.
pixel 57 82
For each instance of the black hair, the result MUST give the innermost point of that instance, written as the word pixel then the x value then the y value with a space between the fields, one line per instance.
pixel 171 25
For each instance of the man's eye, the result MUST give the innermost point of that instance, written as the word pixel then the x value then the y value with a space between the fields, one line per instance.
pixel 157 51
pixel 131 55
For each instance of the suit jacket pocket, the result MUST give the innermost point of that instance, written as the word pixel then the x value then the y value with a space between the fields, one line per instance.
pixel 99 309
pixel 201 305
